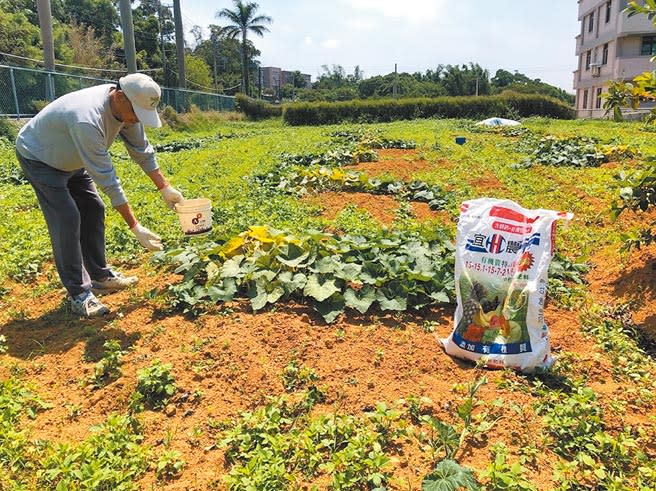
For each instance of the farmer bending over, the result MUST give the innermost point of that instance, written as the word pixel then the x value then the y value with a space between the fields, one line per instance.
pixel 64 152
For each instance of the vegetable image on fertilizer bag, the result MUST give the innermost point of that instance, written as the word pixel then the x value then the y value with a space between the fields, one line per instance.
pixel 503 253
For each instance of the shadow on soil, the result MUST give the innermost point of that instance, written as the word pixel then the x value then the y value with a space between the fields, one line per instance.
pixel 59 330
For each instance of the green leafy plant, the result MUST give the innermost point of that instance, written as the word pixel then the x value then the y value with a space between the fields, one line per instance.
pixel 577 151
pixel 112 458
pixel 395 272
pixel 256 109
pixel 448 475
pixel 445 439
pixel 417 407
pixel 109 366
pixel 567 280
pixel 156 384
pixel 280 444
pixel 637 193
pixel 169 465
pixel 295 377
pixel 502 476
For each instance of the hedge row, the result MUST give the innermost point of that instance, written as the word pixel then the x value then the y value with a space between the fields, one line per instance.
pixel 256 109
pixel 383 110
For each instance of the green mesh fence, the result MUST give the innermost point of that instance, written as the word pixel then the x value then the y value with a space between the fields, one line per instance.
pixel 24 91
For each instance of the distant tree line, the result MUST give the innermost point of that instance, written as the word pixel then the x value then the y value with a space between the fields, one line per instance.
pixel 334 84
pixel 86 33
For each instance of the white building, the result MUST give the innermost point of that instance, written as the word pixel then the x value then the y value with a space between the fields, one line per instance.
pixel 611 46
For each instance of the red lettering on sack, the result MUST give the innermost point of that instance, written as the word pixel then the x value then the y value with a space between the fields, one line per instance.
pixel 508 214
pixel 513 229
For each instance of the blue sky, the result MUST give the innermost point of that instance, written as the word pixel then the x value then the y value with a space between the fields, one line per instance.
pixel 534 37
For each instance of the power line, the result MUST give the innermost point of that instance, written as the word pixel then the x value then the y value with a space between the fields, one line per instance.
pixel 211 89
pixel 76 66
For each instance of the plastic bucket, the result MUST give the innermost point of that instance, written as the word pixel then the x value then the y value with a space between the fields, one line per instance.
pixel 195 216
pixel 460 140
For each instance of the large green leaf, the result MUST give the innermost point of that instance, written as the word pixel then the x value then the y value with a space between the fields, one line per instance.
pixel 325 265
pixel 392 297
pixel 360 300
pixel 232 267
pixel 318 290
pixel 441 297
pixel 223 292
pixel 448 475
pixel 292 255
pixel 372 273
pixel 258 298
pixel 331 307
pixel 396 303
pixel 420 275
pixel 349 272
pixel 292 281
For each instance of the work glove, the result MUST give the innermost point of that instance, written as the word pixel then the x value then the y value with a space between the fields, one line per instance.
pixel 171 196
pixel 146 238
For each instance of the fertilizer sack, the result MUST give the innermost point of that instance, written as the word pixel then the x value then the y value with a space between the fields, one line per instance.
pixel 503 253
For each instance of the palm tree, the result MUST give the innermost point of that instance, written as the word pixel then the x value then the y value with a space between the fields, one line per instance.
pixel 244 19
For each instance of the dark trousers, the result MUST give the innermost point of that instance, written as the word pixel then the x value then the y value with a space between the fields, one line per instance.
pixel 75 216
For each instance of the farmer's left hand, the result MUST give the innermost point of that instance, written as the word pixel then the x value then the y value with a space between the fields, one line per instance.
pixel 171 196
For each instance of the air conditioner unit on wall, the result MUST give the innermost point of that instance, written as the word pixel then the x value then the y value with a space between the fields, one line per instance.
pixel 595 69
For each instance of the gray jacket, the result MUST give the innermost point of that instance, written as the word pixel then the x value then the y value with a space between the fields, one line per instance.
pixel 76 130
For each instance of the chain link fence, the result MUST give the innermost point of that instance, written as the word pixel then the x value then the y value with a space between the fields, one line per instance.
pixel 25 91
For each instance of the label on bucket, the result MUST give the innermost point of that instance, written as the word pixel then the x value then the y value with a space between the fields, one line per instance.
pixel 201 224
pixel 195 216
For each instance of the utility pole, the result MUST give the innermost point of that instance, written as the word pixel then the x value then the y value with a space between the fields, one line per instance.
pixel 162 23
pixel 476 86
pixel 395 87
pixel 45 22
pixel 179 44
pixel 128 35
pixel 214 56
pixel 259 82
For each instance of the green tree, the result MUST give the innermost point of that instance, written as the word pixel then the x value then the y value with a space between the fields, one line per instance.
pixel 153 26
pixel 99 15
pixel 299 80
pixel 198 73
pixel 244 19
pixel 18 36
pixel 223 56
pixel 332 78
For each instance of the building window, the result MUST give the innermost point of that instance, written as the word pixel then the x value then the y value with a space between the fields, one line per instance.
pixel 591 22
pixel 588 55
pixel 648 45
pixel 598 99
pixel 608 11
pixel 604 56
pixel 585 99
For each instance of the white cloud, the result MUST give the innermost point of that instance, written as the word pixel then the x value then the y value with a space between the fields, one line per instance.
pixel 362 24
pixel 419 11
pixel 330 43
pixel 307 41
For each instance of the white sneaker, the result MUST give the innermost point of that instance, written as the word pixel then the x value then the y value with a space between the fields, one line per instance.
pixel 113 283
pixel 88 305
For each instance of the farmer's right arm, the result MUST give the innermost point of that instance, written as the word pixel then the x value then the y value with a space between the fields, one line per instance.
pixel 142 152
